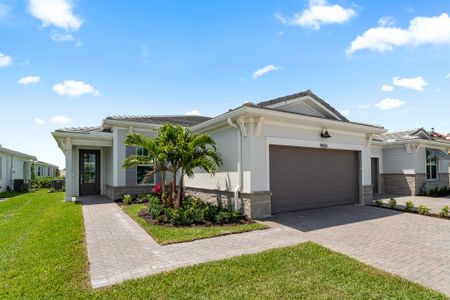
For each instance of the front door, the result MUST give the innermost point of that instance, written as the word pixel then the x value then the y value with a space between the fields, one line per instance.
pixel 89 172
pixel 375 174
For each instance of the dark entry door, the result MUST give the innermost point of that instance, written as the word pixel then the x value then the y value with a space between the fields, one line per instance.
pixel 89 172
pixel 375 174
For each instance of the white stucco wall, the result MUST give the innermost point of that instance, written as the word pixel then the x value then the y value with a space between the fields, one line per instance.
pixel 226 177
pixel 3 173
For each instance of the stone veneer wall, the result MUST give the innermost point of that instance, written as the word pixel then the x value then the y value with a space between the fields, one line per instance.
pixel 116 193
pixel 399 184
pixel 411 184
pixel 367 194
pixel 254 205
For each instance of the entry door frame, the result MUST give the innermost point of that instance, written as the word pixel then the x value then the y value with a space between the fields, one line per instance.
pixel 319 145
pixel 98 170
pixel 376 188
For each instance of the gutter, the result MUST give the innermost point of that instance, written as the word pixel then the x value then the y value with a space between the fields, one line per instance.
pixel 239 164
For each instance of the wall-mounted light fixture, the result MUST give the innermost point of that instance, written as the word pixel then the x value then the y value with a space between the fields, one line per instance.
pixel 324 134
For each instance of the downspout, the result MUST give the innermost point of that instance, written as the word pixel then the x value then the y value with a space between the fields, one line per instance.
pixel 239 164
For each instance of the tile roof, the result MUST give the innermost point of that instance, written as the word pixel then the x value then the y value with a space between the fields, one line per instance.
pixel 81 129
pixel 402 135
pixel 303 94
pixel 180 120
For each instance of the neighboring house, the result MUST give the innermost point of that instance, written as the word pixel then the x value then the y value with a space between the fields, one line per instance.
pixel 412 161
pixel 45 169
pixel 290 153
pixel 14 165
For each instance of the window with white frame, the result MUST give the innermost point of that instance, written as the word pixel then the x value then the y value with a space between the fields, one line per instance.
pixel 142 170
pixel 431 165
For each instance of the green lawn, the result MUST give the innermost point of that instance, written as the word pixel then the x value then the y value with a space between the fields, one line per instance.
pixel 42 256
pixel 168 235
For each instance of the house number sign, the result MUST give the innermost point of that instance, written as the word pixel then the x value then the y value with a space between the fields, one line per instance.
pixel 324 146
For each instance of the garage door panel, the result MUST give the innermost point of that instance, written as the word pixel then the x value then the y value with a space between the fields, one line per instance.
pixel 303 178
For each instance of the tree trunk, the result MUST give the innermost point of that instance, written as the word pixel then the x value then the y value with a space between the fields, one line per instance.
pixel 180 195
pixel 174 190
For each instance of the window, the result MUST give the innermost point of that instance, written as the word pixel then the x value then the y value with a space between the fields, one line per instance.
pixel 39 172
pixel 142 170
pixel 431 165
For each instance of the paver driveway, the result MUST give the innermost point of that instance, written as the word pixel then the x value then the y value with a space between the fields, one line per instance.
pixel 412 246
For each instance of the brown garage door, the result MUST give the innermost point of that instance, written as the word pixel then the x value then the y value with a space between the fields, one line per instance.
pixel 304 178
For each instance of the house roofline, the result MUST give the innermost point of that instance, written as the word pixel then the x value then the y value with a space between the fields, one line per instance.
pixel 426 142
pixel 255 110
pixel 17 153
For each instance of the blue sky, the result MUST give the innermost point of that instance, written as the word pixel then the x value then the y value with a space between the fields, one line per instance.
pixel 71 63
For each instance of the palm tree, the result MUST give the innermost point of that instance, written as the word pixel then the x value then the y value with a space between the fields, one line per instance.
pixel 177 150
pixel 155 157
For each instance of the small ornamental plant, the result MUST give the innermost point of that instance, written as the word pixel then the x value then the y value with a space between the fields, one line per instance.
pixel 444 212
pixel 378 203
pixel 127 199
pixel 423 210
pixel 392 203
pixel 157 189
pixel 409 206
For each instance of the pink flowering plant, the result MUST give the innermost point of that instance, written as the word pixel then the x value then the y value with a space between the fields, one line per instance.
pixel 157 189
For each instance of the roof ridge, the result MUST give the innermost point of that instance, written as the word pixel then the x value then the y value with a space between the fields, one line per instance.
pixel 154 116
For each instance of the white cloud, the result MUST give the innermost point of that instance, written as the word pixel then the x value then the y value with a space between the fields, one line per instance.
pixel 364 106
pixel 39 121
pixel 65 37
pixel 421 30
pixel 29 80
pixel 319 13
pixel 415 83
pixel 58 13
pixel 5 60
pixel 389 103
pixel 264 70
pixel 62 120
pixel 345 112
pixel 193 113
pixel 75 88
pixel 386 21
pixel 387 88
pixel 447 76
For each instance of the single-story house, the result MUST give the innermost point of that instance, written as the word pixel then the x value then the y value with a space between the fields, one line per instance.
pixel 412 162
pixel 290 153
pixel 45 169
pixel 14 165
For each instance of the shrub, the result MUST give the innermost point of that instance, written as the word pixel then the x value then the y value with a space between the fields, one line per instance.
pixel 443 191
pixel 142 198
pixel 392 203
pixel 127 199
pixel 409 205
pixel 44 182
pixel 224 217
pixel 378 203
pixel 155 207
pixel 444 212
pixel 192 211
pixel 423 210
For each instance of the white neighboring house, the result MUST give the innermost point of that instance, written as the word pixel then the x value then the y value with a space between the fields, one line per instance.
pixel 13 165
pixel 290 153
pixel 45 169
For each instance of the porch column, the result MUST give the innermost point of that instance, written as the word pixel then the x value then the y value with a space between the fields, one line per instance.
pixel 69 170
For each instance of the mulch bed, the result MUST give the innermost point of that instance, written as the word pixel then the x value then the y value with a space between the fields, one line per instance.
pixel 414 211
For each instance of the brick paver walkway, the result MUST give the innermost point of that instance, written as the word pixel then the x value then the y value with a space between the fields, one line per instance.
pixel 412 246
